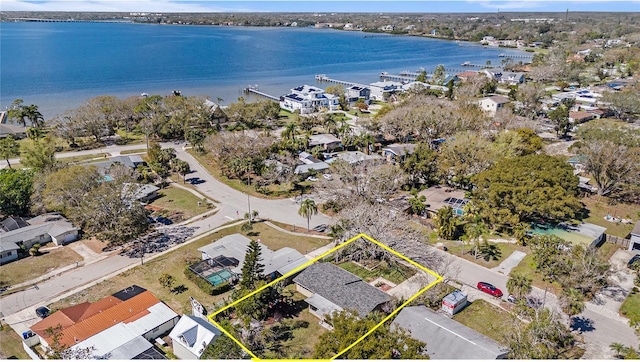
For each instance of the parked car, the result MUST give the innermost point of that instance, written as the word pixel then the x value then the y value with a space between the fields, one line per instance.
pixel 490 289
pixel 512 299
pixel 312 179
pixel 43 312
pixel 321 228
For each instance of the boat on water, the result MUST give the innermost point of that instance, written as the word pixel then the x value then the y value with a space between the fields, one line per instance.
pixel 144 95
pixel 466 64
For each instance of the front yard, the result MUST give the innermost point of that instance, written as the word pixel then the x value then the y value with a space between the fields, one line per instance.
pixel 31 267
pixel 489 256
pixel 11 344
pixel 631 308
pixel 488 319
pixel 180 203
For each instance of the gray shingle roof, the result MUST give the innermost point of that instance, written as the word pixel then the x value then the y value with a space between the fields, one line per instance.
pixel 446 338
pixel 636 229
pixel 341 288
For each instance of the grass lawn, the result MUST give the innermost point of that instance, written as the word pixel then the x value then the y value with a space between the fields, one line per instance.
pixel 275 191
pixel 528 268
pixel 276 240
pixel 300 228
pixel 99 157
pixel 606 250
pixel 179 200
pixel 396 274
pixel 631 308
pixel 11 344
pixel 137 150
pixel 496 252
pixel 487 319
pixel 174 263
pixel 34 266
pixel 599 209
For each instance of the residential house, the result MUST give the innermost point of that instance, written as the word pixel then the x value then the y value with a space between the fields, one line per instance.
pixel 191 336
pixel 118 326
pixel 437 197
pixel 329 289
pixel 382 91
pixel 217 116
pixel 493 103
pixel 469 74
pixel 354 157
pixel 140 192
pixel 358 92
pixel 16 232
pixel 11 130
pixel 397 152
pixel 601 113
pixel 228 253
pixel 512 78
pixel 447 338
pixel 307 99
pixel 634 244
pixel 306 168
pixel 131 161
pixel 326 141
pixel 580 117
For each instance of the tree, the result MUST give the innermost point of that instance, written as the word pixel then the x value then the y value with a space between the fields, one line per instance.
pixel 519 285
pixel 618 348
pixel 39 155
pixel 422 77
pixel 572 302
pixel 446 222
pixel 421 164
pixel 21 113
pixel 182 168
pixel 624 103
pixel 474 231
pixel 385 342
pixel 465 156
pixel 223 347
pixel 611 165
pixel 9 148
pixel 307 209
pixel 439 75
pixel 166 280
pixel 252 269
pixel 547 251
pixel 528 188
pixel 545 337
pixel 560 116
pixel 15 192
pixel 418 205
pixel 35 249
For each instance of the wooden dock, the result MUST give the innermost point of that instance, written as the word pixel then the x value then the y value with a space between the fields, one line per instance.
pixel 324 78
pixel 502 55
pixel 254 90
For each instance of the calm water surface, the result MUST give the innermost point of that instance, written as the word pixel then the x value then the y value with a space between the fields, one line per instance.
pixel 60 65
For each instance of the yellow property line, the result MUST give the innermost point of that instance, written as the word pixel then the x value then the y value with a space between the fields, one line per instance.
pixel 364 236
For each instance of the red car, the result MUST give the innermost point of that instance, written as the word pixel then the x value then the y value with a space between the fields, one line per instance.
pixel 489 289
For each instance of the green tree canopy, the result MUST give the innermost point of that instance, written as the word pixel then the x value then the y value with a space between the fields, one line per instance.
pixel 39 155
pixel 527 188
pixel 384 343
pixel 307 209
pixel 15 192
pixel 252 268
pixel 9 148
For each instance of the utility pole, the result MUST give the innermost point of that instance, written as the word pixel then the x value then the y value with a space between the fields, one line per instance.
pixel 248 200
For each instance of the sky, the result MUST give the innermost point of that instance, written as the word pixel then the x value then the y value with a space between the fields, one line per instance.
pixel 420 6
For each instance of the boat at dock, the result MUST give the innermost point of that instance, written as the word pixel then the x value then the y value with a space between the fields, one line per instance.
pixel 466 64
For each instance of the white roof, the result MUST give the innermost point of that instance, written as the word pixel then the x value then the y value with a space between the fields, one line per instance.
pixel 118 337
pixel 158 315
pixel 322 139
pixel 194 334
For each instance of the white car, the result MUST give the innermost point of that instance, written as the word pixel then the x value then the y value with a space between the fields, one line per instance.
pixel 311 178
pixel 327 176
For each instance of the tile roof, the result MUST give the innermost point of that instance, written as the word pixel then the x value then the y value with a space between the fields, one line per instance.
pixel 96 320
pixel 341 288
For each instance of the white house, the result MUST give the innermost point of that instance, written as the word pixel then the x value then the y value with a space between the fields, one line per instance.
pixel 191 336
pixel 493 103
pixel 381 91
pixel 307 99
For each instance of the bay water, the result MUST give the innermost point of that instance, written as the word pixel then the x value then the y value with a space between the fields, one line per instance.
pixel 58 66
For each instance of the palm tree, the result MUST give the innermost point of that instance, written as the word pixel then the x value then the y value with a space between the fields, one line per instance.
pixel 519 285
pixel 521 233
pixel 446 223
pixel 33 115
pixel 9 148
pixel 367 139
pixel 307 209
pixel 474 231
pixel 572 302
pixel 618 348
pixel 290 131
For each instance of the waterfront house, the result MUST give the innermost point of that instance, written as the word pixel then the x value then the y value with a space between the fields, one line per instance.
pixel 119 326
pixel 382 91
pixel 447 338
pixel 511 78
pixel 493 103
pixel 329 289
pixel 307 99
pixel 217 116
pixel 356 93
pixel 11 130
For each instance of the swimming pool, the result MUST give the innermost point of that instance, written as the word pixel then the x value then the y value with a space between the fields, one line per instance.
pixel 220 277
pixel 568 235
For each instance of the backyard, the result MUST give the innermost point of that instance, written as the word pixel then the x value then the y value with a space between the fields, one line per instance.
pixel 599 208
pixel 393 272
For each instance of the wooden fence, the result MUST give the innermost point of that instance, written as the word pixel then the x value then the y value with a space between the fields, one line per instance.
pixel 618 241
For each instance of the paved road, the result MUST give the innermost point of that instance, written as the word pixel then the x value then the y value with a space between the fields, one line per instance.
pixel 603 326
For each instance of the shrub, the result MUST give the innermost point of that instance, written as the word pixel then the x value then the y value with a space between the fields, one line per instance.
pixel 204 285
